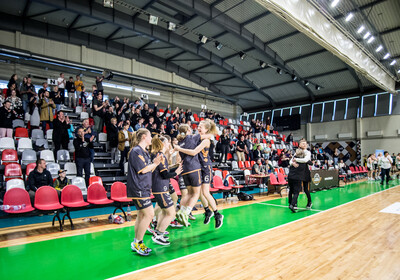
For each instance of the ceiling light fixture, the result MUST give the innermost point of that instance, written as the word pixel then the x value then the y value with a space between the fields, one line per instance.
pixel 262 64
pixel 370 40
pixel 306 82
pixel 393 62
pixel 218 45
pixel 334 3
pixel 171 26
pixel 366 35
pixel 386 56
pixel 294 77
pixel 242 55
pixel 379 48
pixel 203 39
pixel 349 16
pixel 317 87
pixel 361 29
pixel 279 71
pixel 153 20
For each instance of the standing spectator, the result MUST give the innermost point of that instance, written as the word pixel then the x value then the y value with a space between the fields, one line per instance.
pixel 70 86
pixel 109 115
pixel 112 138
pixel 136 116
pixel 78 89
pixel 385 162
pixel 38 177
pixel 88 133
pixel 336 156
pixel 27 91
pixel 13 87
pixel 57 98
pixel 124 140
pixel 139 124
pixel 61 180
pixel 225 141
pixel 6 118
pixel 259 169
pixel 84 96
pixel 257 154
pixel 46 114
pixel 99 109
pixel 249 146
pixel 241 149
pixel 94 92
pixel 34 109
pixel 99 85
pixel 43 89
pixel 289 138
pixel 82 154
pixel 60 132
pixel 61 83
pixel 12 81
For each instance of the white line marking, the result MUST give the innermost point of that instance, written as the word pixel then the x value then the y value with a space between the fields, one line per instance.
pixel 241 239
pixel 283 206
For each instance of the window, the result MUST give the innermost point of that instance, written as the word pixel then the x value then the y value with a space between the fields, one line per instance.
pixel 316 112
pixel 328 111
pixel 368 107
pixel 382 107
pixel 352 108
pixel 340 110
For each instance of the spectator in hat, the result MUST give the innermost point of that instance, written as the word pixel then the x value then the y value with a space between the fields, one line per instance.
pixel 61 180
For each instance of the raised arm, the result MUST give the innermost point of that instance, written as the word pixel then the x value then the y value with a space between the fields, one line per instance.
pixel 204 144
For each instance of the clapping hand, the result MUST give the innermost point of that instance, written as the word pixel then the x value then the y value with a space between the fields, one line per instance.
pixel 158 159
pixel 179 170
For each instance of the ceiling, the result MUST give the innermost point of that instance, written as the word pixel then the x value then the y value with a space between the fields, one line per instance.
pixel 240 25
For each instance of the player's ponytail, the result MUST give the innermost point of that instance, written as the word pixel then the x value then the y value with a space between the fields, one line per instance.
pixel 182 130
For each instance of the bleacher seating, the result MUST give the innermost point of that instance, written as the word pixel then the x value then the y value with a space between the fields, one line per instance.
pixel 6 143
pixel 24 144
pixel 9 156
pixel 15 183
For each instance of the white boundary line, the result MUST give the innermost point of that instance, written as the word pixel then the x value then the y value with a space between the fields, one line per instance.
pixel 243 238
pixel 283 206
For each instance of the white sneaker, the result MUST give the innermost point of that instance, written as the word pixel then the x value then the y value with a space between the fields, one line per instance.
pixel 160 239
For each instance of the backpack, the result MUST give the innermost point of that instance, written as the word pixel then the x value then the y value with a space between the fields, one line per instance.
pixel 244 196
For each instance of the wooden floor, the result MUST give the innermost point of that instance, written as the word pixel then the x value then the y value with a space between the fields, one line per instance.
pixel 353 241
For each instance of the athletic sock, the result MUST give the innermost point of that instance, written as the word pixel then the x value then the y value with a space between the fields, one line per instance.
pixel 206 209
pixel 183 209
pixel 215 212
pixel 188 210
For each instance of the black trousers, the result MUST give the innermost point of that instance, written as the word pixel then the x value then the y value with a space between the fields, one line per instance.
pixel 385 172
pixel 124 155
pixel 83 164
pixel 306 188
pixel 58 146
pixel 224 153
pixel 294 191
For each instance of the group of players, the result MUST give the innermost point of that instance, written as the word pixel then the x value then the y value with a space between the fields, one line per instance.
pixel 149 173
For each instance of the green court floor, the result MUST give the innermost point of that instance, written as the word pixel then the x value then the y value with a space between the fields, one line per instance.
pixel 107 254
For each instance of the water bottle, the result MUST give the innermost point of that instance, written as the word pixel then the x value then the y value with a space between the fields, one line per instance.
pixel 128 214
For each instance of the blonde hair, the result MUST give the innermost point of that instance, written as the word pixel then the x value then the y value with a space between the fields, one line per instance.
pixel 210 126
pixel 137 136
pixel 183 129
pixel 157 144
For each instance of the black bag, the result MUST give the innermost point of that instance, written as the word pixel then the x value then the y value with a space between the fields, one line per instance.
pixel 244 196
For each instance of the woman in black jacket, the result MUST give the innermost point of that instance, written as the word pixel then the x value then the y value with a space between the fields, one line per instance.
pixel 6 119
pixel 225 141
pixel 112 138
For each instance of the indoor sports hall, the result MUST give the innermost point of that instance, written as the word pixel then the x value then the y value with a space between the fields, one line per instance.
pixel 199 139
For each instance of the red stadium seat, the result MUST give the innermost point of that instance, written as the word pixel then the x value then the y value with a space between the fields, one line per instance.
pixel 175 185
pixel 252 163
pixel 21 132
pixel 96 194
pixel 29 168
pixel 12 171
pixel 232 184
pixel 281 179
pixel 9 156
pixel 213 190
pixel 95 179
pixel 247 165
pixel 71 197
pixel 17 197
pixel 46 199
pixel 241 165
pixel 218 184
pixel 225 173
pixel 119 195
pixel 229 156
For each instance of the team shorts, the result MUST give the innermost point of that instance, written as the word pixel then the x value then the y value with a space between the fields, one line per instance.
pixel 193 179
pixel 141 204
pixel 206 175
pixel 181 183
pixel 164 200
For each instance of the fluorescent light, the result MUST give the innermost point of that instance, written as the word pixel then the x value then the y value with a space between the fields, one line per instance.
pixel 262 64
pixel 386 56
pixel 242 55
pixel 379 48
pixel 366 35
pixel 334 3
pixel 145 91
pixel 127 88
pixel 153 20
pixel 218 45
pixel 393 62
pixel 203 39
pixel 171 26
pixel 370 40
pixel 398 71
pixel 361 29
pixel 349 16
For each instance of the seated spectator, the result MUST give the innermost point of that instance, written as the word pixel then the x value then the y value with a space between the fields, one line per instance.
pixel 258 154
pixel 46 114
pixel 61 180
pixel 259 169
pixel 38 177
pixel 6 120
pixel 82 154
pixel 130 129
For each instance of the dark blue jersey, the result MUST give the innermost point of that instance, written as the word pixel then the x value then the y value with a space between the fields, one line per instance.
pixel 204 157
pixel 190 164
pixel 139 184
pixel 160 184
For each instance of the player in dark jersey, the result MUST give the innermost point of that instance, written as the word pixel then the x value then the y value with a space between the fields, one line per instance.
pixel 160 187
pixel 191 171
pixel 206 127
pixel 139 184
